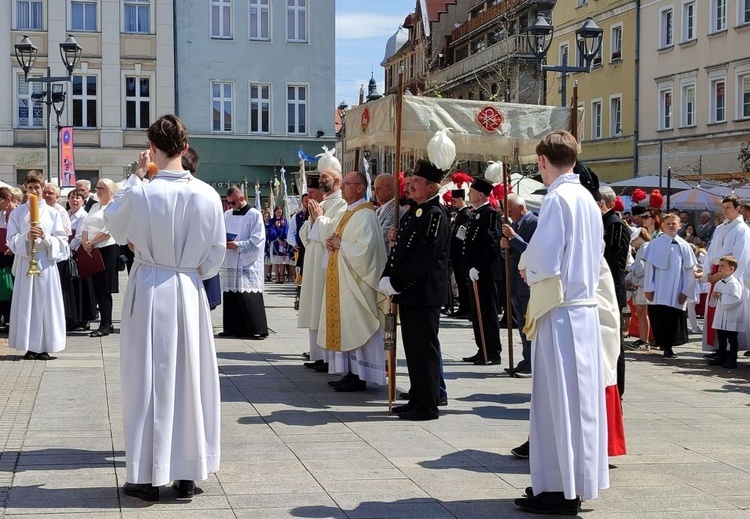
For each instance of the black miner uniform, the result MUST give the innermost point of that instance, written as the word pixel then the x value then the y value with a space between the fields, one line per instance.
pixel 480 251
pixel 458 234
pixel 418 271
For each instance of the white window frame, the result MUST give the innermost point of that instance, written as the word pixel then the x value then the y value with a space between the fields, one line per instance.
pixel 138 4
pixel 222 99
pixel 299 7
pixel 223 5
pixel 666 27
pixel 743 81
pixel 615 47
pixel 713 99
pixel 596 119
pixel 666 110
pixel 259 100
pixel 685 108
pixel 565 52
pixel 258 4
pixel 298 103
pixel 97 23
pixel 138 99
pixel 743 12
pixel 718 15
pixel 84 97
pixel 613 132
pixel 17 9
pixel 32 87
pixel 689 26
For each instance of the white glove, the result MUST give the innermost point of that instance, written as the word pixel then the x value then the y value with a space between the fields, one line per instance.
pixel 474 274
pixel 385 286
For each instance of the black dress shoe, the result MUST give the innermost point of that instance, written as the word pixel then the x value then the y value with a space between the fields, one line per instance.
pixel 142 491
pixel 404 396
pixel 419 415
pixel 224 334
pixel 306 355
pixel 185 489
pixel 30 355
pixel 522 451
pixel 712 355
pixel 99 333
pixel 352 386
pixel 553 503
pixel 343 380
pixel 473 358
pixel 399 409
pixel 529 492
pixel 44 356
pixel 176 486
pixel 718 361
pixel 321 368
pixel 442 401
pixel 489 362
pixel 312 364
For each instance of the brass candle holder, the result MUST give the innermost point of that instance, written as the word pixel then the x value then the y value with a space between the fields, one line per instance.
pixel 33 263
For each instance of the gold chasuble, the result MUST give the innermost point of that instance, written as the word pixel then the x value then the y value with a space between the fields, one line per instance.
pixel 350 315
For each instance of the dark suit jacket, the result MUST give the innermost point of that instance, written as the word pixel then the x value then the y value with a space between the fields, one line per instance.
pixel 524 231
pixel 481 244
pixel 418 263
pixel 463 217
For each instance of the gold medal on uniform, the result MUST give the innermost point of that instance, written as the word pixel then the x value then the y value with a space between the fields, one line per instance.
pixel 419 212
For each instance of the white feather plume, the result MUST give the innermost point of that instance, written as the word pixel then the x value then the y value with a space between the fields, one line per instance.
pixel 494 172
pixel 326 160
pixel 441 151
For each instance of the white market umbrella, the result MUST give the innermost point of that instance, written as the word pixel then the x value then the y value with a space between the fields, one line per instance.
pixel 695 200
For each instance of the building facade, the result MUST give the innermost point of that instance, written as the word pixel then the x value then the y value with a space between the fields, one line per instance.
pixel 608 93
pixel 695 86
pixel 125 79
pixel 256 84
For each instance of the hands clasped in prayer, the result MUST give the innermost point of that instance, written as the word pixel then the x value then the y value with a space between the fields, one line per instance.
pixel 333 243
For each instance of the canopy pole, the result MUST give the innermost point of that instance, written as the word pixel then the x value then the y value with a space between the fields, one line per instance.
pixel 508 300
pixel 396 207
pixel 574 112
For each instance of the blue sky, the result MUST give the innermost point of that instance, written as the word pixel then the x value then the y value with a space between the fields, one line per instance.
pixel 362 30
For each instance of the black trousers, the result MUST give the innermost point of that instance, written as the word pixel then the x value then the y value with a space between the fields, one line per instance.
pixel 726 337
pixel 519 314
pixel 491 325
pixel 419 329
pixel 463 290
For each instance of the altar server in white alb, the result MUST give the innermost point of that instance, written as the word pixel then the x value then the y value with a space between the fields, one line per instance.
pixel 351 330
pixel 324 217
pixel 168 369
pixel 668 281
pixel 242 279
pixel 568 421
pixel 37 314
pixel 729 317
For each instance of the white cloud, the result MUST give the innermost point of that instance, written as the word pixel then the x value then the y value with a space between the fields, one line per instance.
pixel 366 25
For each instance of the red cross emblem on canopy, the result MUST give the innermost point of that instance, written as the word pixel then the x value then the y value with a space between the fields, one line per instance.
pixel 490 119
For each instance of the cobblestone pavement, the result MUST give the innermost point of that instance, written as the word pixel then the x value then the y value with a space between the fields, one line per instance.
pixel 292 447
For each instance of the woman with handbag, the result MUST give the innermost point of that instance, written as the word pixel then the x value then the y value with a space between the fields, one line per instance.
pixel 82 288
pixel 96 236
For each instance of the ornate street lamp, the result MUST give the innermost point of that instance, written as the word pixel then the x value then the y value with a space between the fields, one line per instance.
pixel 588 41
pixel 54 96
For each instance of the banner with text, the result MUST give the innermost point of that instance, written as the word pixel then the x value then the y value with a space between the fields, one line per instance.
pixel 67 160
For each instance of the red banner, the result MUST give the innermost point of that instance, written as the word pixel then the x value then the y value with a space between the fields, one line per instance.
pixel 67 160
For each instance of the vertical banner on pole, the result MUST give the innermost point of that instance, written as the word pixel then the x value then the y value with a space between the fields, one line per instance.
pixel 67 167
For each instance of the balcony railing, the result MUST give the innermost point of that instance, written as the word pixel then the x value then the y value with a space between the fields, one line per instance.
pixel 515 46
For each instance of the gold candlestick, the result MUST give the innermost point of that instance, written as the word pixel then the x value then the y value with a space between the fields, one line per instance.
pixel 33 263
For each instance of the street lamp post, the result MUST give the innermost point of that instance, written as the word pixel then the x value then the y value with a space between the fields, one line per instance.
pixel 53 96
pixel 588 41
